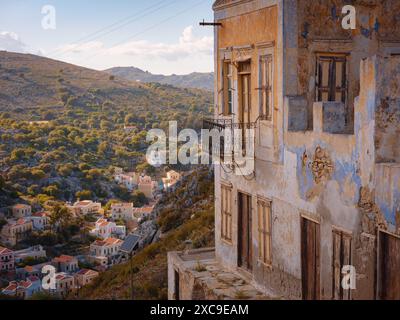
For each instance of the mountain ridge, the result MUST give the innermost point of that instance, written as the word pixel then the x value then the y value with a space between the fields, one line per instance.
pixel 196 80
pixel 31 81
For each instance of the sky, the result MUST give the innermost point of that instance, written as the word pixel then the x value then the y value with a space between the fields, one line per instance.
pixel 160 36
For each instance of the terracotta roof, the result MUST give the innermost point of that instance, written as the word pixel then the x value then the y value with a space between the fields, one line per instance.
pixel 83 203
pixel 107 242
pixel 5 250
pixel 122 205
pixel 11 287
pixel 20 206
pixel 21 221
pixel 29 268
pixel 25 284
pixel 40 214
pixel 63 259
pixel 144 210
pixel 86 272
pixel 104 224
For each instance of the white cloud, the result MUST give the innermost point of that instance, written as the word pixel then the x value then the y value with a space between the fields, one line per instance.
pixel 10 41
pixel 86 47
pixel 188 44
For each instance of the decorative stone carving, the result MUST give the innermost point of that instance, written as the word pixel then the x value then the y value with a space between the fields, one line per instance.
pixel 321 166
pixel 368 206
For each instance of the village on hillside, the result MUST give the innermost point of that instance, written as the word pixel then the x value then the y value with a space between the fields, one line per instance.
pixel 113 235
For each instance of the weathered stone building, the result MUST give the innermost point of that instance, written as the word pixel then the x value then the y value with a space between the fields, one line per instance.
pixel 325 191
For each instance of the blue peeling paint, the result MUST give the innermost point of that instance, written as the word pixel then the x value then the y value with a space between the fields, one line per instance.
pixel 342 170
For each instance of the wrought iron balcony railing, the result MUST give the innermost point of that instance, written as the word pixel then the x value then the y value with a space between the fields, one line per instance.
pixel 235 138
pixel 219 124
pixel 222 124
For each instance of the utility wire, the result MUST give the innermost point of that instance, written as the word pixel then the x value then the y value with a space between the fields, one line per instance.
pixel 148 29
pixel 115 26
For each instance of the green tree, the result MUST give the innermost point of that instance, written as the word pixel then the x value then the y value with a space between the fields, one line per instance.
pixel 139 198
pixel 51 190
pixel 84 195
pixel 37 174
pixel 59 216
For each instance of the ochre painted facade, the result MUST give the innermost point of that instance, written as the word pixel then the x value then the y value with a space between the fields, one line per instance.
pixel 328 168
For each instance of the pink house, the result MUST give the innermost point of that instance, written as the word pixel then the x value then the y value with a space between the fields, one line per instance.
pixel 6 259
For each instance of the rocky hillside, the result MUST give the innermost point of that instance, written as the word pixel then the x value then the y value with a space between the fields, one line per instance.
pixel 29 81
pixel 63 128
pixel 186 219
pixel 193 80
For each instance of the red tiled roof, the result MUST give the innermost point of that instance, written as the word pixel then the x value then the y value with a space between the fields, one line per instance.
pixel 84 203
pixel 29 268
pixel 86 272
pixel 122 205
pixel 107 242
pixel 5 250
pixel 21 221
pixel 63 259
pixel 11 287
pixel 20 206
pixel 25 284
pixel 144 210
pixel 104 224
pixel 40 214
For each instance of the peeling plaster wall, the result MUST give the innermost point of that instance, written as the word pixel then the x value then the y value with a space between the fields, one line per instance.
pixel 319 30
pixel 387 142
pixel 331 178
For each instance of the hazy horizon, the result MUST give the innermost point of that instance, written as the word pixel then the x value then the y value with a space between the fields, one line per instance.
pixel 159 36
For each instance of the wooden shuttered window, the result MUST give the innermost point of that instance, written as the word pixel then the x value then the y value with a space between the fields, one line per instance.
pixel 389 266
pixel 310 259
pixel 227 88
pixel 264 232
pixel 226 213
pixel 331 78
pixel 341 257
pixel 245 230
pixel 266 81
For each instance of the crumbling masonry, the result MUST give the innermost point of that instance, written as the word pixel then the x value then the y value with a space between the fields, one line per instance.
pixel 325 191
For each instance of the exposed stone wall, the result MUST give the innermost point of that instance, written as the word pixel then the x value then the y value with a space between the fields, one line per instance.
pixel 320 30
pixel 331 178
pixel 387 142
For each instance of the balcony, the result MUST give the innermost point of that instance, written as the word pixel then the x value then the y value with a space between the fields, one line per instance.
pixel 219 124
pixel 196 275
pixel 231 144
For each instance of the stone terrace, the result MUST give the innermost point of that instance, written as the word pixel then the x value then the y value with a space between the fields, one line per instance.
pixel 200 277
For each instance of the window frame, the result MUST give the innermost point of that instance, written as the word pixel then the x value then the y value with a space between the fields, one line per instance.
pixel 264 231
pixel 226 213
pixel 332 89
pixel 266 105
pixel 227 87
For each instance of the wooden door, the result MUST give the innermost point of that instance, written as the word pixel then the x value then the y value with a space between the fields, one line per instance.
pixel 341 257
pixel 310 262
pixel 389 265
pixel 245 256
pixel 177 285
pixel 244 99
